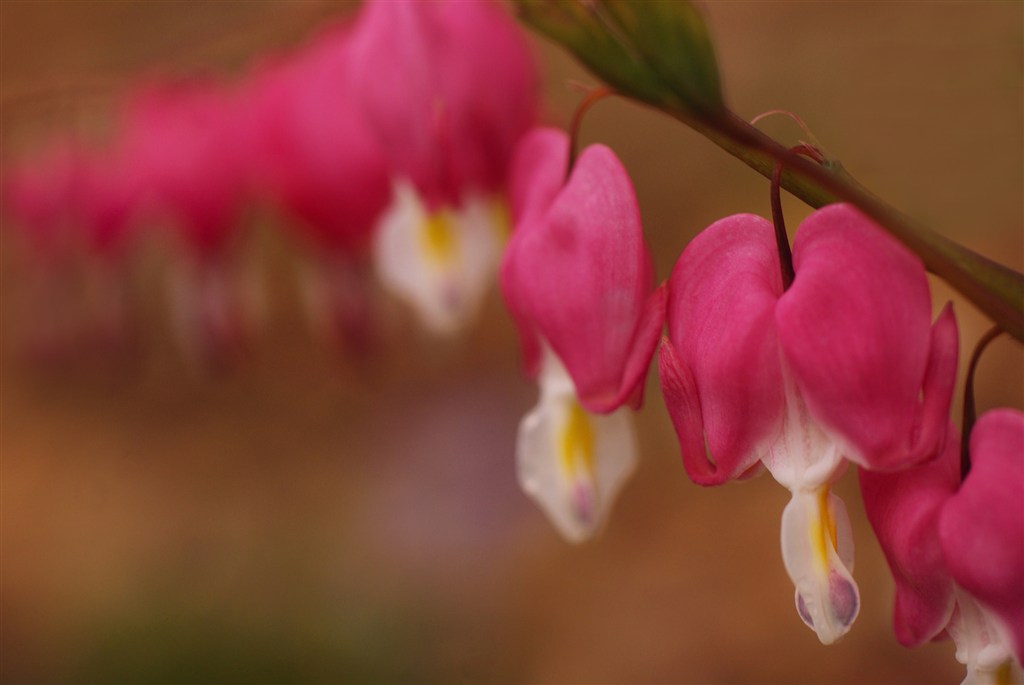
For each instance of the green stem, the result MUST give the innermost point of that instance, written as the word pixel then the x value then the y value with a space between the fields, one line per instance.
pixel 996 289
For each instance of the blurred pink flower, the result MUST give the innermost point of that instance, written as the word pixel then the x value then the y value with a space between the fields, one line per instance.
pixel 842 366
pixel 185 144
pixel 312 149
pixel 957 551
pixel 107 197
pixel 37 194
pixel 183 141
pixel 448 89
pixel 313 153
pixel 578 279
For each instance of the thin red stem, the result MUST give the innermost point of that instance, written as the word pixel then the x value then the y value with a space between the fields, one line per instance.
pixel 970 409
pixel 577 119
pixel 779 221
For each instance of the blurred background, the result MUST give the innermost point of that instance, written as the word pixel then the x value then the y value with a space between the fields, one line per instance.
pixel 316 516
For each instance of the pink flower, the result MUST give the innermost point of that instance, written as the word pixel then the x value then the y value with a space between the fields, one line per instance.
pixel 312 148
pixel 982 526
pixel 107 198
pixel 578 280
pixel 184 143
pixel 842 366
pixel 448 89
pixel 957 551
pixel 37 194
pixel 314 155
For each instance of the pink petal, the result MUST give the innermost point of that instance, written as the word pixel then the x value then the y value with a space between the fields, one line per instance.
pixel 721 375
pixel 937 388
pixel 449 88
pixel 537 176
pixel 648 331
pixel 580 277
pixel 981 528
pixel 184 141
pixel 854 328
pixel 37 192
pixel 903 508
pixel 315 151
pixel 108 202
pixel 395 79
pixel 490 82
pixel 538 172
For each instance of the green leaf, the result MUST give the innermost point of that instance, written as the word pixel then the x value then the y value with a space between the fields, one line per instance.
pixel 657 51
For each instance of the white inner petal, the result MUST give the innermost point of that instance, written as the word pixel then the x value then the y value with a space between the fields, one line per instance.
pixel 982 644
pixel 817 549
pixel 803 457
pixel 440 263
pixel 572 462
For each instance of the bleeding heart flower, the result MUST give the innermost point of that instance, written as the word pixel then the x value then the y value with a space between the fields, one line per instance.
pixel 448 89
pixel 312 149
pixel 841 366
pixel 39 194
pixel 313 153
pixel 185 143
pixel 579 282
pixel 107 199
pixel 957 551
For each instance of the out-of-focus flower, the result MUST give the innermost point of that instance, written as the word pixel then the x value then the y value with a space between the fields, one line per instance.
pixel 107 202
pixel 313 150
pixel 314 155
pixel 38 195
pixel 841 366
pixel 106 208
pixel 448 89
pixel 579 283
pixel 184 142
pixel 957 551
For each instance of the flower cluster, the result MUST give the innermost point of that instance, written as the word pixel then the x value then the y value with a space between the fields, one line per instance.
pixel 403 166
pixel 430 166
pixel 842 366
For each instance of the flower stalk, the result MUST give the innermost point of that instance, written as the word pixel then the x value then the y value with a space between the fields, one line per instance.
pixel 970 408
pixel 660 53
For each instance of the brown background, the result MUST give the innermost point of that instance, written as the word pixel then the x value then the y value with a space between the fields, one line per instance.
pixel 315 517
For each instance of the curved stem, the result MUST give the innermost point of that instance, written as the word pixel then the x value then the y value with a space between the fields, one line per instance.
pixel 996 289
pixel 970 411
pixel 577 120
pixel 781 238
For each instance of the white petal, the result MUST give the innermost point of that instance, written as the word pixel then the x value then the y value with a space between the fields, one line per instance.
pixel 817 549
pixel 803 457
pixel 571 462
pixel 982 644
pixel 441 264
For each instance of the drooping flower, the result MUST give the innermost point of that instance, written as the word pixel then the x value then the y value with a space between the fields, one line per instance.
pixel 185 146
pixel 106 210
pixel 956 551
pixel 578 280
pixel 314 156
pixel 38 195
pixel 448 89
pixel 841 366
